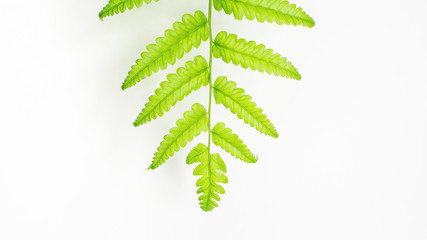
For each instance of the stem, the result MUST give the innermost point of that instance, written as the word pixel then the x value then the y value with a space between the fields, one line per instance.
pixel 210 78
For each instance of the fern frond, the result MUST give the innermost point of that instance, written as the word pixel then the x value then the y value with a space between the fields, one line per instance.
pixel 117 6
pixel 277 11
pixel 181 39
pixel 230 142
pixel 234 99
pixel 248 54
pixel 193 123
pixel 212 170
pixel 187 80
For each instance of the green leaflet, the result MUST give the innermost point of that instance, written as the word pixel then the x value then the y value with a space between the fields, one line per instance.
pixel 117 6
pixel 234 99
pixel 185 35
pixel 193 123
pixel 187 80
pixel 248 54
pixel 277 11
pixel 230 142
pixel 211 169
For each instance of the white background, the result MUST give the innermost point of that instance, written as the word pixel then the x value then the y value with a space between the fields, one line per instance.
pixel 350 162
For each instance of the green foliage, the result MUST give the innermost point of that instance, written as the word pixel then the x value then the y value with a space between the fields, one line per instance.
pixel 277 11
pixel 234 99
pixel 181 39
pixel 185 35
pixel 212 169
pixel 193 123
pixel 187 80
pixel 117 6
pixel 230 142
pixel 248 54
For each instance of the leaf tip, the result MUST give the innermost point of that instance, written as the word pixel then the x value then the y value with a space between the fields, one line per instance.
pixel 313 24
pixel 206 209
pixel 255 160
pixel 124 86
pixel 101 14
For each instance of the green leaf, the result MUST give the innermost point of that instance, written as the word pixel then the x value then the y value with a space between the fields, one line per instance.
pixel 234 99
pixel 199 152
pixel 230 142
pixel 277 11
pixel 187 80
pixel 117 6
pixel 181 39
pixel 193 123
pixel 212 170
pixel 248 54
